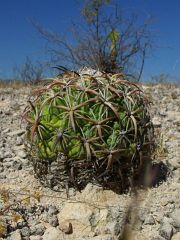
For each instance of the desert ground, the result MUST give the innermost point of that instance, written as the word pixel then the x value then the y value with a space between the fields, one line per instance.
pixel 29 210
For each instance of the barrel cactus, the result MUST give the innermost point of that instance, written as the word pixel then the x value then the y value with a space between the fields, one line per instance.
pixel 88 128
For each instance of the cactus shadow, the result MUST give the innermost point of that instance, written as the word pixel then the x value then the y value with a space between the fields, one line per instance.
pixel 153 175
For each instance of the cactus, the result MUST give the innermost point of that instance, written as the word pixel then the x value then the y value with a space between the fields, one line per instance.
pixel 88 128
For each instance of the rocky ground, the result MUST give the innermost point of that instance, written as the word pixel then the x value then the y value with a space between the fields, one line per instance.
pixel 30 211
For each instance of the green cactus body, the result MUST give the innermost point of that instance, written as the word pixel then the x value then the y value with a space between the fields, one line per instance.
pixel 100 124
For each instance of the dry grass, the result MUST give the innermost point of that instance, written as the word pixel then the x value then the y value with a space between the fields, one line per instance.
pixel 169 85
pixel 15 84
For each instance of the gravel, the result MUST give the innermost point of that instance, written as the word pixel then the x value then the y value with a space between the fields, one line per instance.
pixel 101 214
